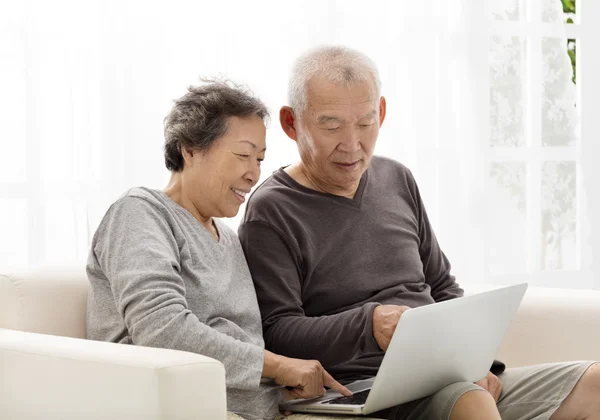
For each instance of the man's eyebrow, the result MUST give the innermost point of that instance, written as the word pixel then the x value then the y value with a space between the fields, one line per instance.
pixel 370 114
pixel 327 118
pixel 251 144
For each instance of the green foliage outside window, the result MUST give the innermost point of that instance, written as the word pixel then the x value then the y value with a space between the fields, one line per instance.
pixel 569 9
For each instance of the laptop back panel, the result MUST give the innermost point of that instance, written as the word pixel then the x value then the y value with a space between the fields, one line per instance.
pixel 437 345
pixel 433 346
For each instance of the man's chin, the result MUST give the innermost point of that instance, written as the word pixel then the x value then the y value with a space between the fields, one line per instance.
pixel 347 182
pixel 349 175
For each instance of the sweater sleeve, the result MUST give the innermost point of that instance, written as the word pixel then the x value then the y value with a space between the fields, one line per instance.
pixel 436 266
pixel 139 255
pixel 277 275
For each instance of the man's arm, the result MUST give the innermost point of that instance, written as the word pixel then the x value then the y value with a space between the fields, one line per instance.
pixel 277 273
pixel 436 266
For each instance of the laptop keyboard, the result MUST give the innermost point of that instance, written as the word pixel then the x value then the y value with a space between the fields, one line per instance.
pixel 357 398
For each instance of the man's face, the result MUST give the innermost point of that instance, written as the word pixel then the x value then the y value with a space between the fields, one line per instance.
pixel 337 133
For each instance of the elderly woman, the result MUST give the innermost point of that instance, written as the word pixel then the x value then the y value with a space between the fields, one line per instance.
pixel 165 272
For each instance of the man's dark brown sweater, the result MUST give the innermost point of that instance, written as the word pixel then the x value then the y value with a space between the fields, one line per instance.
pixel 321 263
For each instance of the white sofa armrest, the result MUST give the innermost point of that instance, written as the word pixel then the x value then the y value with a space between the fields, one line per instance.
pixel 52 377
pixel 551 325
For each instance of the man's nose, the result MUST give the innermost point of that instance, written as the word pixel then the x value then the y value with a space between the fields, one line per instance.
pixel 350 142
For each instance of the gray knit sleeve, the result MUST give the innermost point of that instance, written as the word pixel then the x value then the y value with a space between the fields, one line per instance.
pixel 139 254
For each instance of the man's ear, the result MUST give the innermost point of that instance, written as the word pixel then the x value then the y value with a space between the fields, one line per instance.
pixel 288 122
pixel 382 106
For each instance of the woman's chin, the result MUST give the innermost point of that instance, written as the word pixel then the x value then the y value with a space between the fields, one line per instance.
pixel 230 211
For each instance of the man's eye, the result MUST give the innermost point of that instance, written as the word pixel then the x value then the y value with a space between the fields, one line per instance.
pixel 242 156
pixel 365 125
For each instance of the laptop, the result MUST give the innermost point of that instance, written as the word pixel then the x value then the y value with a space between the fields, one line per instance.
pixel 433 346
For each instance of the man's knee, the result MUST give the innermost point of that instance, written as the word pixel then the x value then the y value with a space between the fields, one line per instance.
pixel 475 405
pixel 591 385
pixel 594 373
pixel 583 402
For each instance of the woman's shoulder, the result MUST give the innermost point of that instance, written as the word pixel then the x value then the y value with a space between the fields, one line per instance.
pixel 137 206
pixel 156 198
pixel 140 199
pixel 137 213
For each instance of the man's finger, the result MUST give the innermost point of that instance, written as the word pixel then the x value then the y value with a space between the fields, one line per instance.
pixel 484 384
pixel 498 392
pixel 329 382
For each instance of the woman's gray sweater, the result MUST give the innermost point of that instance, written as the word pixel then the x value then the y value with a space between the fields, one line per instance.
pixel 158 278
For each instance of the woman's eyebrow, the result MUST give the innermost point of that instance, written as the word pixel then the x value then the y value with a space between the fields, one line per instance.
pixel 251 144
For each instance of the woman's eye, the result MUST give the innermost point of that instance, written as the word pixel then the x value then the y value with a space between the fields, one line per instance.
pixel 333 129
pixel 242 156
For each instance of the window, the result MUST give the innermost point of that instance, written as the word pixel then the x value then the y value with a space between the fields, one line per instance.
pixel 537 227
pixel 483 107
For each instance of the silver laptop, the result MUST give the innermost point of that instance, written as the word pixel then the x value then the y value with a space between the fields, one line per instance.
pixel 433 346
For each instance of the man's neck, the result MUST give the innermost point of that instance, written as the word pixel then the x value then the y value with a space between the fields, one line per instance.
pixel 303 177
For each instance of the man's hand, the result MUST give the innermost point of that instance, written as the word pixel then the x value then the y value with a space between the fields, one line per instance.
pixel 385 319
pixel 307 378
pixel 491 384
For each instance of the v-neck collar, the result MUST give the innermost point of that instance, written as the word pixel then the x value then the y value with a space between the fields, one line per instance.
pixel 355 202
pixel 220 241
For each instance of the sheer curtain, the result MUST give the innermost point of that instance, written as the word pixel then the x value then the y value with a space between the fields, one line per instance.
pixel 85 87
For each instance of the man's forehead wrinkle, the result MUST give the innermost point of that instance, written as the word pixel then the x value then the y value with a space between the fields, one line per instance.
pixel 325 115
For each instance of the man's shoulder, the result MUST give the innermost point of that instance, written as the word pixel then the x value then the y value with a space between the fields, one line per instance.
pixel 388 168
pixel 267 197
pixel 270 187
pixel 386 163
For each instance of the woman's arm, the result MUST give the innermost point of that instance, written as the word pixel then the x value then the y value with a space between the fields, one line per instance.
pixel 139 255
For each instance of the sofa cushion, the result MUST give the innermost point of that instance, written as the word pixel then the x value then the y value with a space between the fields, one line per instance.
pixel 45 300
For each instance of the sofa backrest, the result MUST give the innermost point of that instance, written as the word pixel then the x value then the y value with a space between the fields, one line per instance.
pixel 45 300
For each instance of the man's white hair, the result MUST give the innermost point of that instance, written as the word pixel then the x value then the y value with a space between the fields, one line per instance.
pixel 336 64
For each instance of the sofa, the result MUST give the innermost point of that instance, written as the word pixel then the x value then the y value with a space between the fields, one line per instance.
pixel 48 370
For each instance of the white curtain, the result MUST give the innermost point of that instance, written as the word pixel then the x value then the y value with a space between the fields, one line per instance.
pixel 85 87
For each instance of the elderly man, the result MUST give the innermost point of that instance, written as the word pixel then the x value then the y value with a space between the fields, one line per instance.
pixel 339 245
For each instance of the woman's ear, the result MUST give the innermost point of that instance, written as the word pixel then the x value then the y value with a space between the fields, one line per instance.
pixel 188 156
pixel 288 122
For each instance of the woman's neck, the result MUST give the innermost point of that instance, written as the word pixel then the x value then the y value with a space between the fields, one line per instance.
pixel 175 190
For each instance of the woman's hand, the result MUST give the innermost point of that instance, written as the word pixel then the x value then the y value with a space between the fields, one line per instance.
pixel 307 378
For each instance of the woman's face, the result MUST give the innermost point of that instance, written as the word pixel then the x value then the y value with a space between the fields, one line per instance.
pixel 218 180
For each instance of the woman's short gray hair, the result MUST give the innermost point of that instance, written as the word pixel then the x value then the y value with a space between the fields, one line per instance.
pixel 200 117
pixel 334 63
